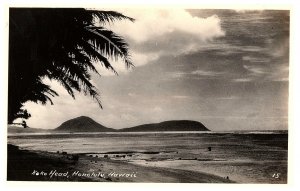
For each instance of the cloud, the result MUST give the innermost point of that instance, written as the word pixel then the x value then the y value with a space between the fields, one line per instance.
pixel 51 116
pixel 176 74
pixel 128 117
pixel 184 71
pixel 248 10
pixel 252 48
pixel 152 23
pixel 180 97
pixel 243 80
pixel 132 95
pixel 255 70
pixel 140 59
pixel 228 98
pixel 279 48
pixel 160 32
pixel 157 109
pixel 206 73
pixel 255 59
pixel 276 73
pixel 279 73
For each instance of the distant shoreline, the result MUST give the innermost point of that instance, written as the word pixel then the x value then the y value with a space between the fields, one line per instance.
pixel 27 165
pixel 36 131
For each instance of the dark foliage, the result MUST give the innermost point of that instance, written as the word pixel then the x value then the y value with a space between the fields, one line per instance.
pixel 60 44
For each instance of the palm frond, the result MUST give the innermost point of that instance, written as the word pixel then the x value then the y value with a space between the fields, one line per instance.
pixel 109 16
pixel 76 72
pixel 108 43
pixel 61 44
pixel 90 50
pixel 39 93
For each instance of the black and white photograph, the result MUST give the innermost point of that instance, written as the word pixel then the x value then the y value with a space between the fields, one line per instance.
pixel 148 95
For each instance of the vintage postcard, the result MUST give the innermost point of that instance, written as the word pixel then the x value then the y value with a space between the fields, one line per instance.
pixel 148 95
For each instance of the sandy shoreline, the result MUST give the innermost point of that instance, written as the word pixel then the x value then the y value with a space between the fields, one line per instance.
pixel 24 165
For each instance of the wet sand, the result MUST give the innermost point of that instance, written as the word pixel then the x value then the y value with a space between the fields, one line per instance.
pixel 24 165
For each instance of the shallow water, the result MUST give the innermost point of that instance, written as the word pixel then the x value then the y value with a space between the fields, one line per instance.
pixel 244 157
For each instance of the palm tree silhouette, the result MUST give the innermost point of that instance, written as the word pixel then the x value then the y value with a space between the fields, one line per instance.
pixel 61 44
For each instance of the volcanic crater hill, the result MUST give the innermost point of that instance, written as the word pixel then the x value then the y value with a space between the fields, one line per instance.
pixel 83 124
pixel 86 124
pixel 174 125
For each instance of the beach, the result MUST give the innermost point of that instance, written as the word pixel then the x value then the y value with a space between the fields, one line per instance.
pixel 24 165
pixel 251 157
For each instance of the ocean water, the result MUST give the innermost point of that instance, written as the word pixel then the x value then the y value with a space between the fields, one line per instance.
pixel 245 157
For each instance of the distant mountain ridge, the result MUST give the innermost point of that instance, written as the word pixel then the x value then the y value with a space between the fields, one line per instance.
pixel 86 124
pixel 83 124
pixel 174 125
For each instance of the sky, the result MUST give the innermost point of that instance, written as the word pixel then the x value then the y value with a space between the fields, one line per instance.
pixel 228 69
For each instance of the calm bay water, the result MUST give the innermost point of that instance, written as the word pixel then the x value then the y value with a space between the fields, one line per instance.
pixel 246 157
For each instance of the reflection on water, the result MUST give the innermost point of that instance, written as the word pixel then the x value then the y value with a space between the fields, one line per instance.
pixel 244 157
